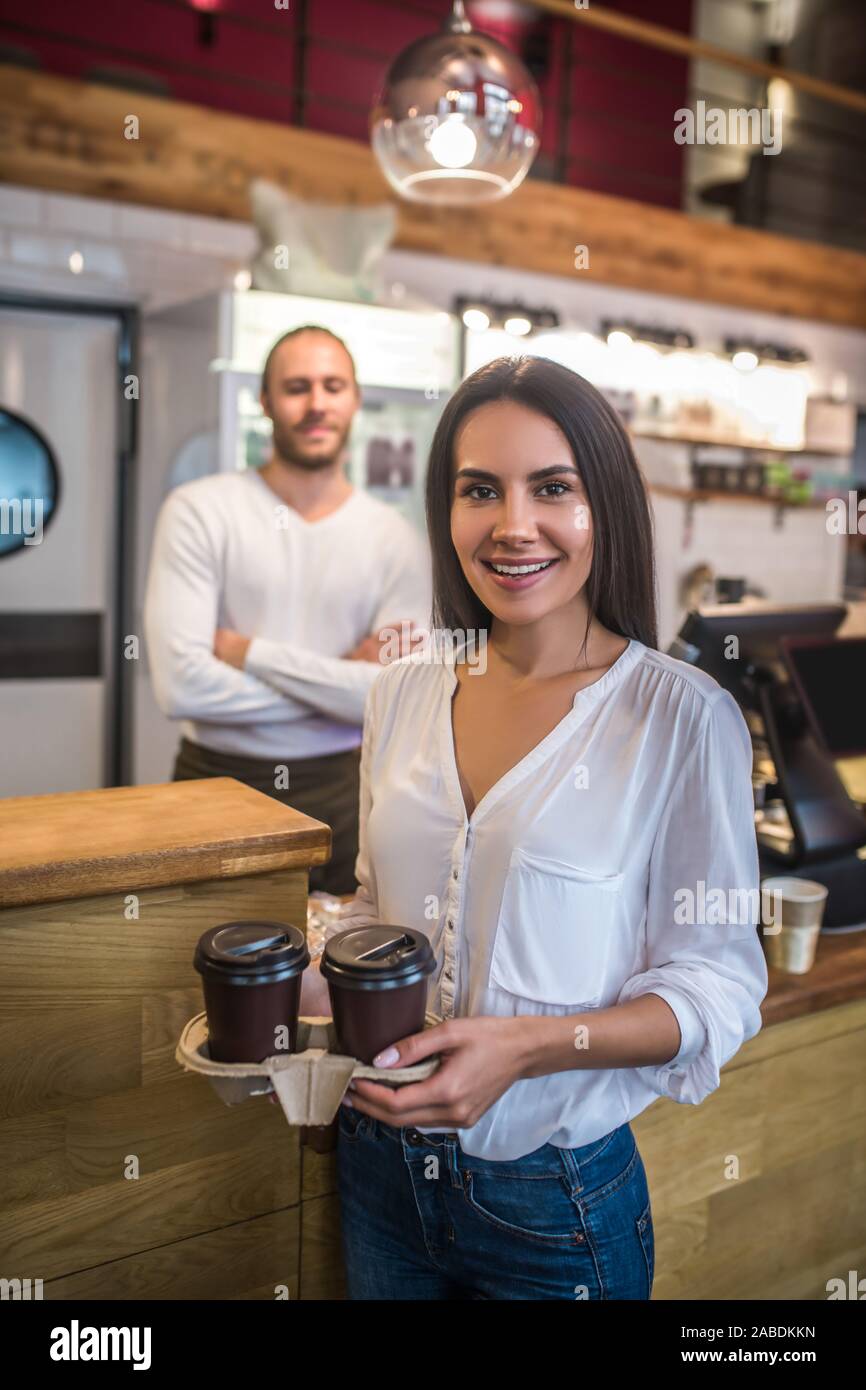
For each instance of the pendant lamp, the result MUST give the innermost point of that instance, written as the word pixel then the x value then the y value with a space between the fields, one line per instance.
pixel 459 118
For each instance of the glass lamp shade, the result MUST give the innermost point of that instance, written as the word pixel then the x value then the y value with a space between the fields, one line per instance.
pixel 458 120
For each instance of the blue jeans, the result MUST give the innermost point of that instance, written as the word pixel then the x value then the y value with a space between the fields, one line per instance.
pixel 421 1219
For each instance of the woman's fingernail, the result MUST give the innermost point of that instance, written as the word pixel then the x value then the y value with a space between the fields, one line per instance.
pixel 346 1101
pixel 387 1058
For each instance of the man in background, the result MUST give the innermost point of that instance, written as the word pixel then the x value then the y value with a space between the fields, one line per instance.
pixel 265 597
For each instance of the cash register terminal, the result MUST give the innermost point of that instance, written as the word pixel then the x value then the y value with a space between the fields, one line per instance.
pixel 830 678
pixel 801 689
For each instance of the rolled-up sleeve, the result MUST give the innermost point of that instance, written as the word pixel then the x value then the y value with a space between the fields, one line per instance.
pixel 703 951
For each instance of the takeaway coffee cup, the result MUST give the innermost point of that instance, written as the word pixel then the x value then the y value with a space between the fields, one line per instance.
pixel 251 977
pixel 377 980
pixel 792 910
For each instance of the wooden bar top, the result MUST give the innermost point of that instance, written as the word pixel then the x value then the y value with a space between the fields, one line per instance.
pixel 78 844
pixel 837 977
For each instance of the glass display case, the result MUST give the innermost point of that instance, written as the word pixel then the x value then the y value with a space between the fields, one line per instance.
pixel 407 364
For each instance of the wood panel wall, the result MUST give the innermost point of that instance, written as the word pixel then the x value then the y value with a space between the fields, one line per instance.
pixel 791 1108
pixel 91 1009
pixel 69 136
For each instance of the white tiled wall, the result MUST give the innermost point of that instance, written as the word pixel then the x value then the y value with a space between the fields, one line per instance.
pixel 791 557
pixel 798 562
pixel 147 255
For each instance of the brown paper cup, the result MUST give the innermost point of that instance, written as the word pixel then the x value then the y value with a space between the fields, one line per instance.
pixel 792 910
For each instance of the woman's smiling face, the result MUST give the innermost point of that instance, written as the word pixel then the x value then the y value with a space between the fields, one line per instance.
pixel 518 500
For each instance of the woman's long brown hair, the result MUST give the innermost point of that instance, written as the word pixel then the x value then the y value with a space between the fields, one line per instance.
pixel 620 589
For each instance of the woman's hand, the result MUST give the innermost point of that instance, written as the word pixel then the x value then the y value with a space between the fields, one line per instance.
pixel 231 647
pixel 481 1058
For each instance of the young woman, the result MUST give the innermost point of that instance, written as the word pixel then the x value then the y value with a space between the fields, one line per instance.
pixel 546 818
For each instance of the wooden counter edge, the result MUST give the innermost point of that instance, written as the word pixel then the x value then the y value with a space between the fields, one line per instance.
pixel 47 883
pixel 837 977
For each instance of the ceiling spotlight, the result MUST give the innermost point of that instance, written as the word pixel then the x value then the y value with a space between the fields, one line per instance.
pixel 458 119
pixel 475 319
pixel 513 316
pixel 76 262
pixel 618 337
pixel 776 352
pixel 746 353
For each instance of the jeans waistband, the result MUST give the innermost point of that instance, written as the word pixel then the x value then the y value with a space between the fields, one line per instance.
pixel 541 1160
pixel 398 1134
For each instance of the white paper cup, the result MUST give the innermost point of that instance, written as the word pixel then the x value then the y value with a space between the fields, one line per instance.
pixel 792 910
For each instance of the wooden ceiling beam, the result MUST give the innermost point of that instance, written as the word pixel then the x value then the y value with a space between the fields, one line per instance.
pixel 68 136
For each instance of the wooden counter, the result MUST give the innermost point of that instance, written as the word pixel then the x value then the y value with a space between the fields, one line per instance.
pixel 837 977
pixel 121 1176
pixel 760 1191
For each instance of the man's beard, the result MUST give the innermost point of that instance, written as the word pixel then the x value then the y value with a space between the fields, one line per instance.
pixel 286 450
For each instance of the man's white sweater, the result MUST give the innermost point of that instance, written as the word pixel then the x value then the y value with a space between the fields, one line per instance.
pixel 227 552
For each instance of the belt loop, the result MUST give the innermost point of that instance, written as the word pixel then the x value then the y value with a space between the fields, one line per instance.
pixel 453 1152
pixel 572 1170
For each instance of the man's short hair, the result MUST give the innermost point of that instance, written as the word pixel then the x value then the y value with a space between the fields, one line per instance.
pixel 293 333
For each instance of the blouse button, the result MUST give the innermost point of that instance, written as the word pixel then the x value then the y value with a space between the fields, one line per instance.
pixel 455 874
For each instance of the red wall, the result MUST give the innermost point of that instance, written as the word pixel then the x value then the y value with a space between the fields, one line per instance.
pixel 609 126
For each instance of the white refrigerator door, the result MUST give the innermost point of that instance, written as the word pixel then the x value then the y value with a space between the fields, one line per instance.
pixel 59 371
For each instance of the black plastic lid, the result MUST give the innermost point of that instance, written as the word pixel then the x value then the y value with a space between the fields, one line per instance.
pixel 250 953
pixel 378 957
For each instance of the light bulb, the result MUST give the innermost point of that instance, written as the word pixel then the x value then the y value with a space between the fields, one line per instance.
pixel 745 360
pixel 518 326
pixel 453 144
pixel 618 338
pixel 476 320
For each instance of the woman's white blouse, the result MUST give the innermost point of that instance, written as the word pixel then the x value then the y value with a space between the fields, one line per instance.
pixel 589 874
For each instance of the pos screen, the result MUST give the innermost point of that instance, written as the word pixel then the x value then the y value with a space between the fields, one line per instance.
pixel 830 676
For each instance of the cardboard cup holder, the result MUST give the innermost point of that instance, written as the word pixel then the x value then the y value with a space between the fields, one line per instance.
pixel 309 1083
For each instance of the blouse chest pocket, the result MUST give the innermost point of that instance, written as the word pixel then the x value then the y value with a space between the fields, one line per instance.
pixel 555 931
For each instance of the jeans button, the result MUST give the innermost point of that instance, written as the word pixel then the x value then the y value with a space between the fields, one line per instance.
pixel 414 1138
